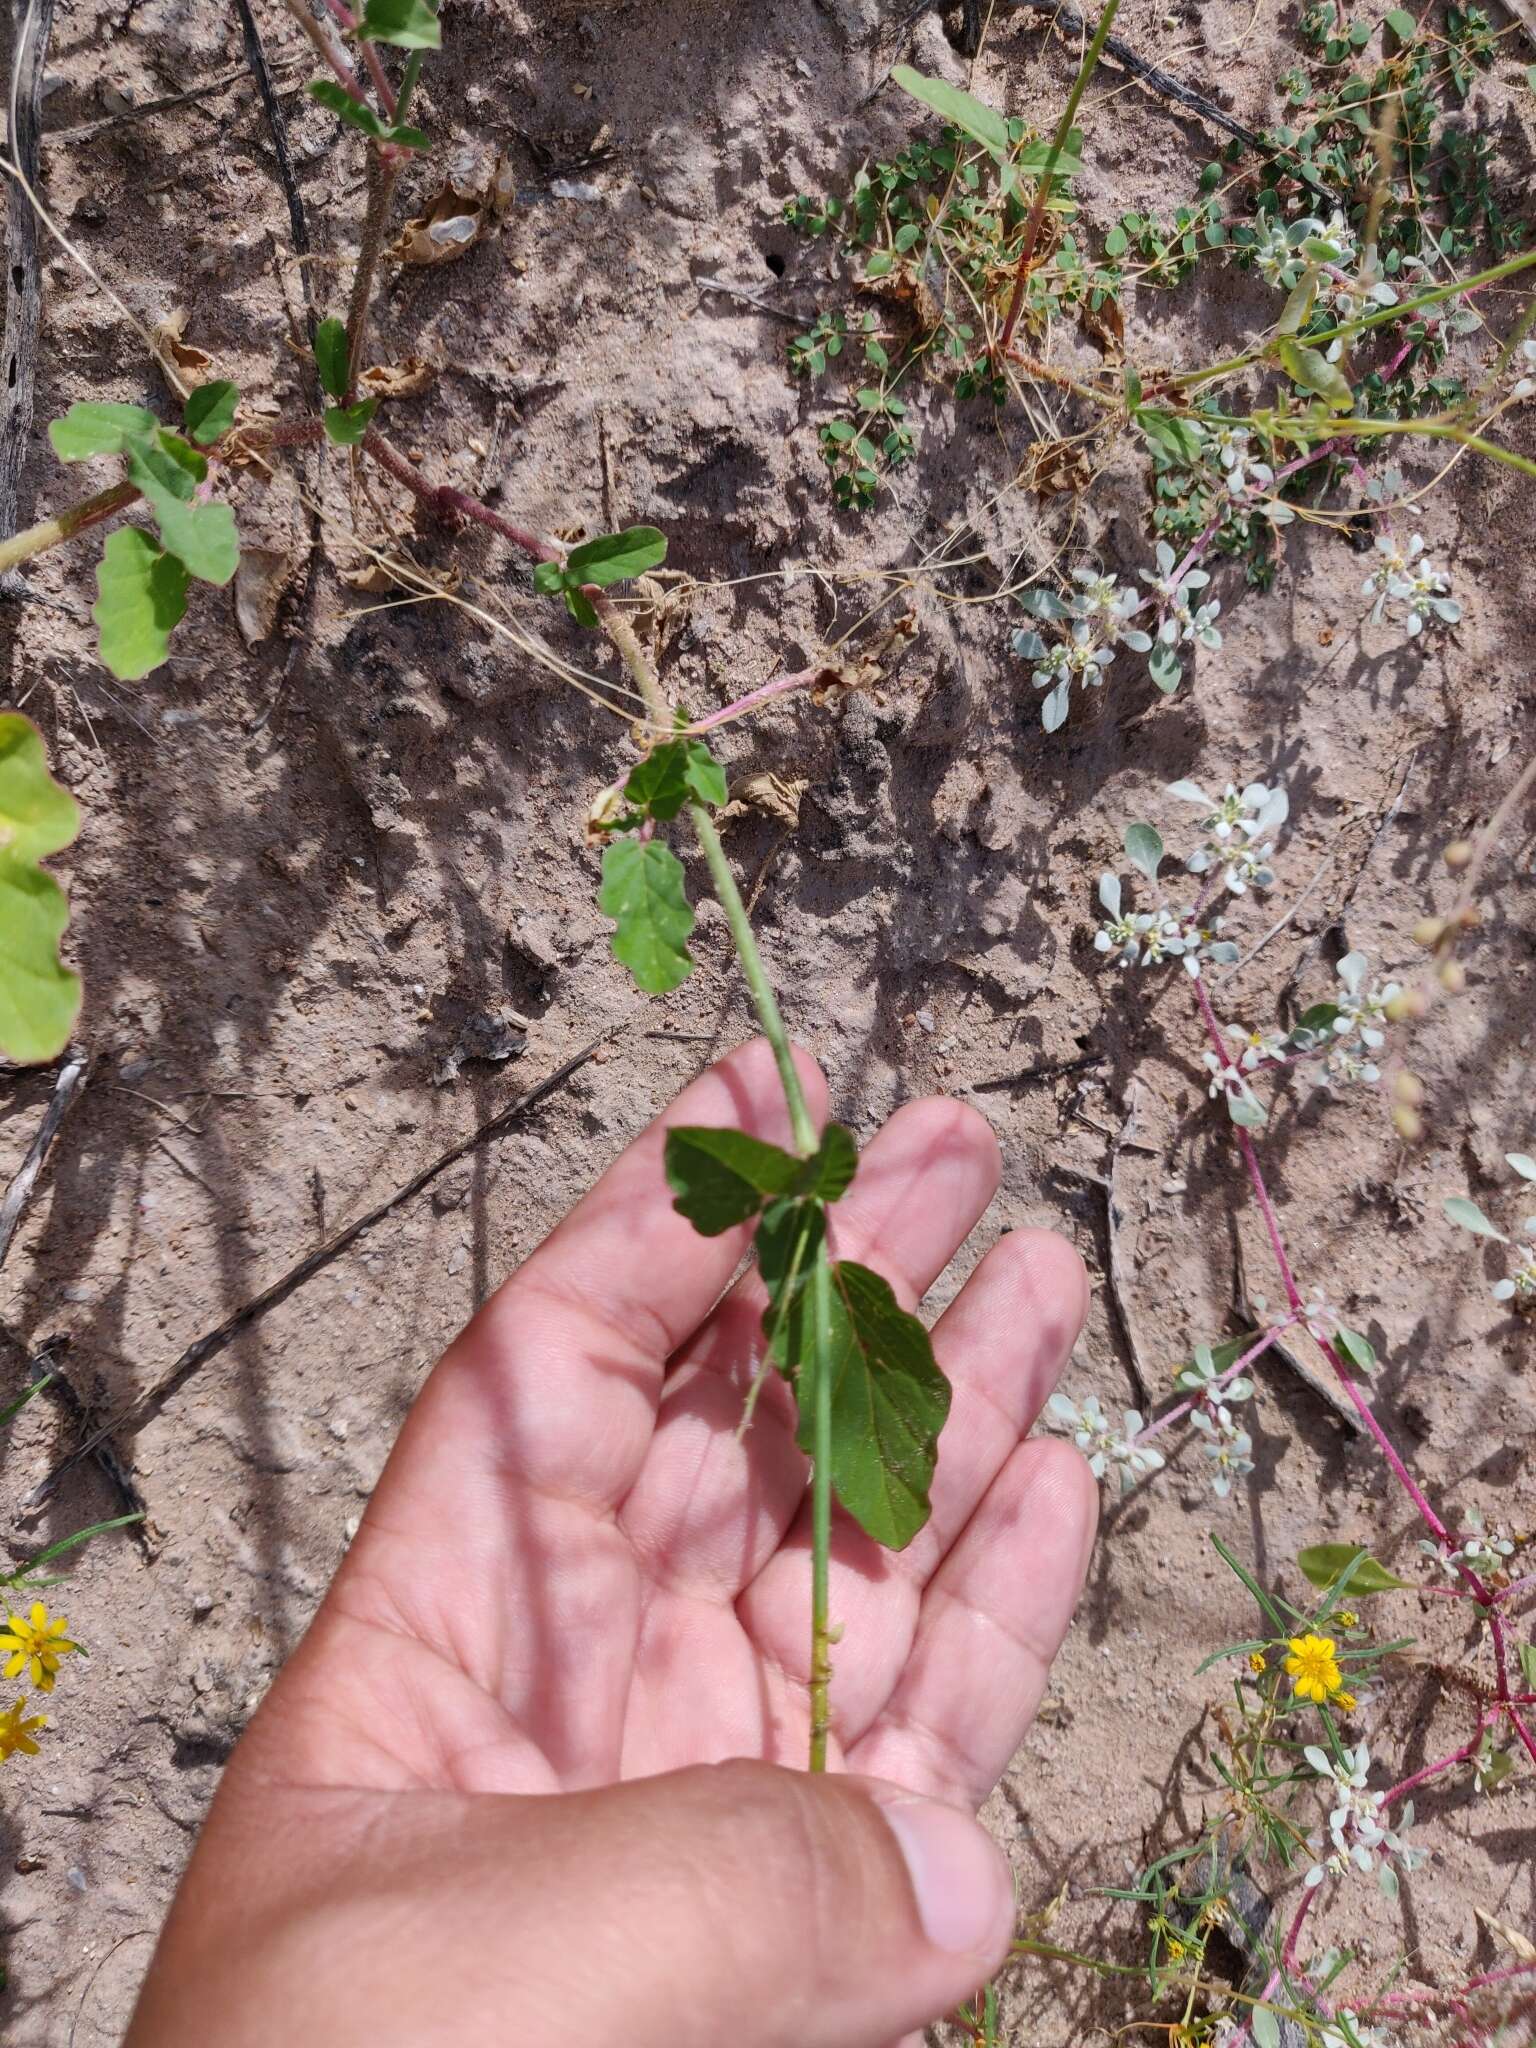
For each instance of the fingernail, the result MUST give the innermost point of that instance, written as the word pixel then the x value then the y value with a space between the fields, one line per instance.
pixel 962 1883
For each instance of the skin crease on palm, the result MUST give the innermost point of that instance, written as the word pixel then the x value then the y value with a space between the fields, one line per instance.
pixel 575 1576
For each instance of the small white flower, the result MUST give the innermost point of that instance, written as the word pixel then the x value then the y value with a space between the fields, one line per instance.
pixel 1524 361
pixel 1258 1047
pixel 1226 1445
pixel 1105 1447
pixel 1320 1317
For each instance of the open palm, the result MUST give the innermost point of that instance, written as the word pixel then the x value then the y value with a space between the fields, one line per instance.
pixel 576 1569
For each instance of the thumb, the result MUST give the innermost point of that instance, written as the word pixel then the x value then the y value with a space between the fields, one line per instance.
pixel 750 1903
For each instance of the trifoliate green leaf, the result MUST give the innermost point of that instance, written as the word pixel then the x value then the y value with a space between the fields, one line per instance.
pixel 408 24
pixel 39 996
pixel 99 429
pixel 142 598
pixel 210 411
pixel 643 893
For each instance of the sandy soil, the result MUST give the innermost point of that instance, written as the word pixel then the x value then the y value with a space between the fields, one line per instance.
pixel 310 867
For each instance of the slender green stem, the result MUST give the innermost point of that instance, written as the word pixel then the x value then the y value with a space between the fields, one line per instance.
pixel 755 975
pixel 63 526
pixel 1435 430
pixel 1085 71
pixel 408 85
pixel 821 1515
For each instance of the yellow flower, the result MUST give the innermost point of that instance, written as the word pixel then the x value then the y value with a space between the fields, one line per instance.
pixel 1346 1617
pixel 1345 1702
pixel 1313 1667
pixel 16 1733
pixel 1256 1662
pixel 37 1646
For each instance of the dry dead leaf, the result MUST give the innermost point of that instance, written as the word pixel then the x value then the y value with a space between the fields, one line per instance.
pixel 473 200
pixel 258 589
pixel 771 794
pixel 1058 469
pixel 1106 324
pixel 397 380
pixel 1520 1946
pixel 185 366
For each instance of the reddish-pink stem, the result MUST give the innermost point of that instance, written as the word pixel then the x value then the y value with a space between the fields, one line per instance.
pixel 450 504
pixel 1458 1756
pixel 381 84
pixel 802 679
pixel 1184 1407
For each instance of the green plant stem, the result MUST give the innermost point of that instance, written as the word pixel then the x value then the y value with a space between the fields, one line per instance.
pixel 381 190
pixel 755 976
pixel 1436 430
pixel 49 533
pixel 408 85
pixel 821 1515
pixel 1085 71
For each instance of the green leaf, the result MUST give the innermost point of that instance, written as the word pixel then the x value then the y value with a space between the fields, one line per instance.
pixel 1231 1650
pixel 672 773
pixel 832 1166
pixel 330 93
pixel 142 598
pixel 1460 1209
pixel 612 557
pixel 202 537
pixel 1175 435
pixel 1031 162
pixel 1299 303
pixel 1267 1606
pixel 889 1398
pixel 1246 1110
pixel 981 123
pixel 1144 849
pixel 103 429
pixel 210 411
pixel 1526 1652
pixel 1264 2027
pixel 1319 1019
pixel 1311 369
pixel 643 893
pixel 720 1178
pixel 39 996
pixel 786 1240
pixel 333 358
pixel 1523 1164
pixel 346 425
pixel 1324 1564
pixel 71 1542
pixel 9 1413
pixel 1116 242
pixel 1401 23
pixel 1164 667
pixel 408 24
pixel 1359 1350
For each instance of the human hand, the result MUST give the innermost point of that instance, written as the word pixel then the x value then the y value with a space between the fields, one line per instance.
pixel 573 1578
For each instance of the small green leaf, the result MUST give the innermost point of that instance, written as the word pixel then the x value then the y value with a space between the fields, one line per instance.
pixel 720 1178
pixel 958 108
pixel 787 1237
pixel 99 429
pixel 1523 1164
pixel 643 893
pixel 210 411
pixel 672 773
pixel 889 1398
pixel 1298 306
pixel 1460 1209
pixel 1144 849
pixel 1359 1350
pixel 142 598
pixel 1526 1652
pixel 202 537
pixel 612 557
pixel 1116 242
pixel 1231 1650
pixel 1319 1019
pixel 1324 1564
pixel 1264 2027
pixel 13 1409
pixel 1172 433
pixel 1246 1110
pixel 346 425
pixel 832 1167
pixel 333 358
pixel 39 996
pixel 408 24
pixel 1311 369
pixel 330 93
pixel 1401 23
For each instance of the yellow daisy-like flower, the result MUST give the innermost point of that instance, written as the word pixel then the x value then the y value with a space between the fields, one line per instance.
pixel 1313 1667
pixel 1257 1662
pixel 1346 1617
pixel 16 1729
pixel 1345 1702
pixel 37 1646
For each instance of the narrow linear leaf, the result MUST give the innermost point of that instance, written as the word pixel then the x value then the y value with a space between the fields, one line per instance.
pixel 142 598
pixel 642 892
pixel 332 358
pixel 982 123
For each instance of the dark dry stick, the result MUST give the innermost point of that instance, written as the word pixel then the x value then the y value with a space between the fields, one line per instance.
pixel 277 128
pixel 33 21
pixel 129 1421
pixel 72 1078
